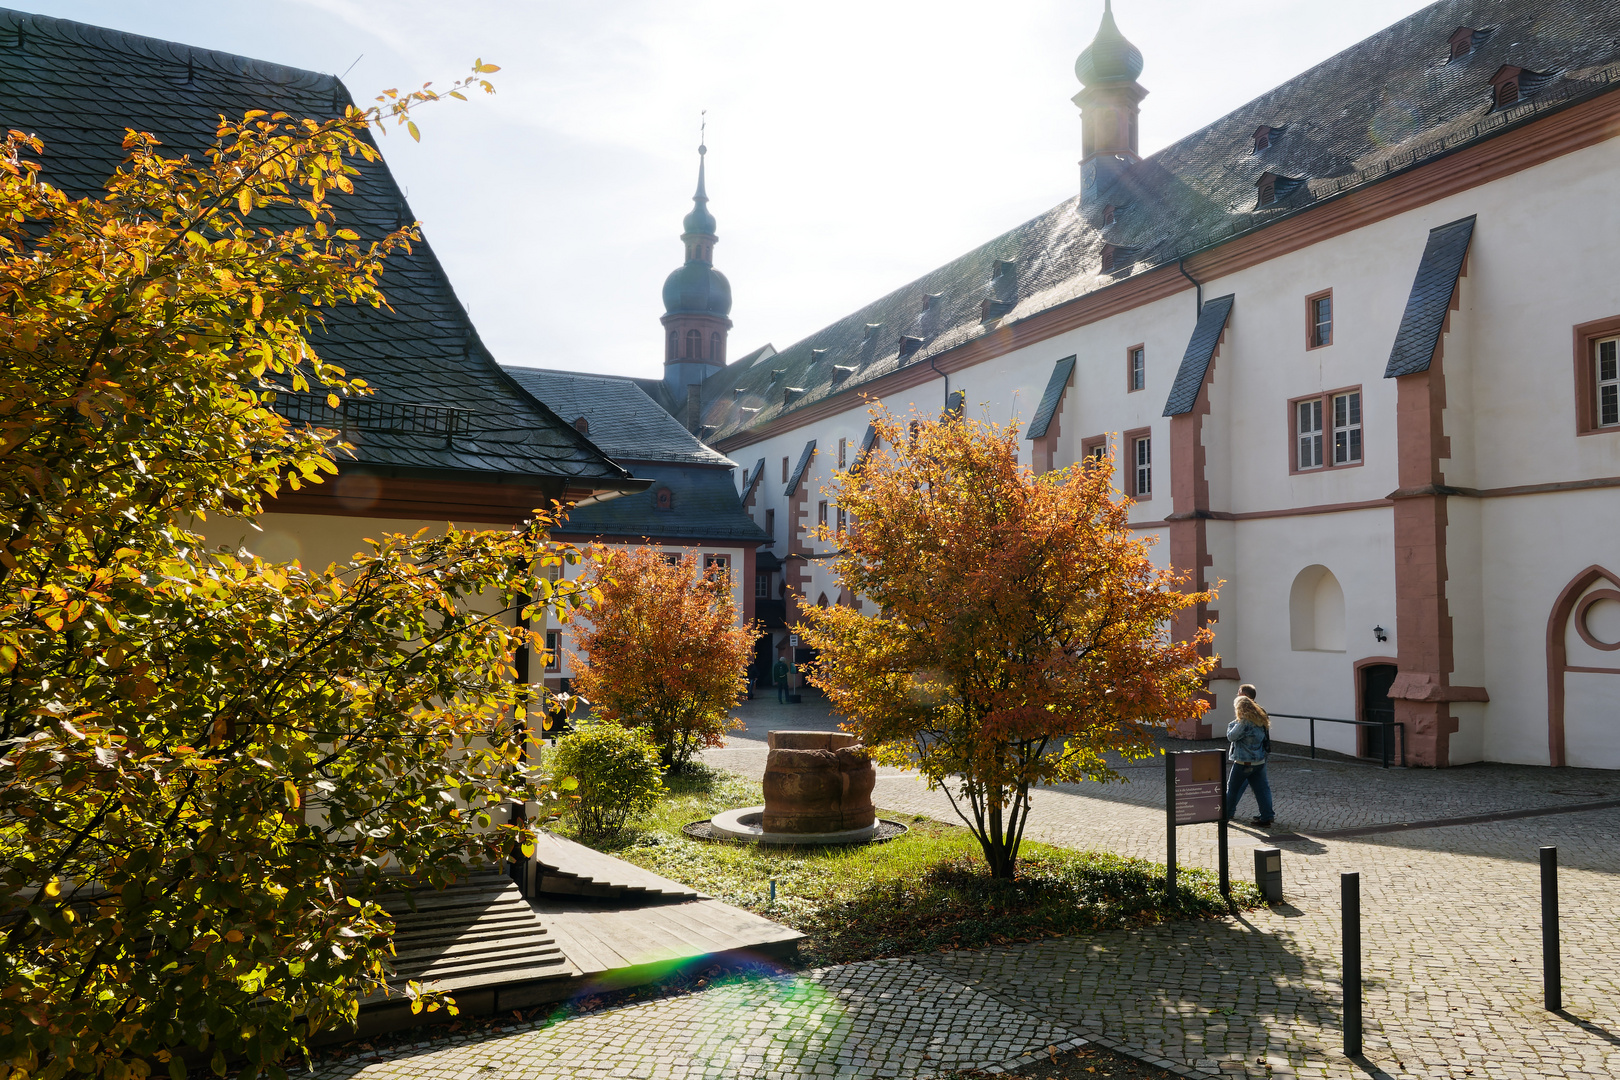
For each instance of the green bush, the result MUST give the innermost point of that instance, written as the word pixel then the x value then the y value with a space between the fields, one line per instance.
pixel 617 772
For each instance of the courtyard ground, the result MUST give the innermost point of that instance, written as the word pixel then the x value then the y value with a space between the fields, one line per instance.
pixel 1451 936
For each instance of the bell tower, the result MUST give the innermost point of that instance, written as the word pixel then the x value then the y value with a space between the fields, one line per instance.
pixel 697 301
pixel 1109 101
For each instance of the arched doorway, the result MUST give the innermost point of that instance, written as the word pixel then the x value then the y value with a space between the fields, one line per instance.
pixel 1583 672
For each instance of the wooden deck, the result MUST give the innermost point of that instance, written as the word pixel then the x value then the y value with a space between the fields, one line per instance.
pixel 564 868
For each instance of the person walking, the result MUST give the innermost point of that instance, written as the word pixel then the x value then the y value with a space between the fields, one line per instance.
pixel 1250 736
pixel 779 672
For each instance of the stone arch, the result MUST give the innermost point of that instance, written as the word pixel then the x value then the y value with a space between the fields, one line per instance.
pixel 1558 653
pixel 1316 611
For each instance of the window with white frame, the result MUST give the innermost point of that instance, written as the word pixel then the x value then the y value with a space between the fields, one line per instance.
pixel 1309 431
pixel 1347 428
pixel 717 567
pixel 762 586
pixel 1137 357
pixel 842 521
pixel 1142 459
pixel 553 650
pixel 1608 382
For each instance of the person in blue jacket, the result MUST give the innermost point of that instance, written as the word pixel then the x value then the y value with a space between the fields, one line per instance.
pixel 1250 736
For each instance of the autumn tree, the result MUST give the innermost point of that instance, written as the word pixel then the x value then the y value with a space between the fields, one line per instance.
pixel 662 648
pixel 1019 631
pixel 213 767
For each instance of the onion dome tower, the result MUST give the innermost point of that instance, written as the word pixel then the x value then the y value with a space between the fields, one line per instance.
pixel 1109 103
pixel 697 301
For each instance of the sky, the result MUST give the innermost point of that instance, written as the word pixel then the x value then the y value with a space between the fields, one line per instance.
pixel 854 145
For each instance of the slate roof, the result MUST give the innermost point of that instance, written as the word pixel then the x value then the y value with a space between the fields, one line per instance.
pixel 1049 400
pixel 1383 105
pixel 1430 299
pixel 442 404
pixel 704 506
pixel 799 469
pixel 622 420
pixel 1200 351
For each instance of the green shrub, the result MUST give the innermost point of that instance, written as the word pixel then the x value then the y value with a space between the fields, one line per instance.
pixel 617 771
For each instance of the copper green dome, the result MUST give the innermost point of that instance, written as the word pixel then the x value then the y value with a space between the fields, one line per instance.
pixel 697 289
pixel 700 221
pixel 1109 57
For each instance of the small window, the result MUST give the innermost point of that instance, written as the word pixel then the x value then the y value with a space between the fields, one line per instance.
pixel 582 425
pixel 843 522
pixel 821 513
pixel 670 558
pixel 552 572
pixel 784 470
pixel 1142 464
pixel 1608 382
pixel 1262 139
pixel 914 430
pixel 1309 429
pixel 717 567
pixel 770 523
pixel 762 586
pixel 1108 214
pixel 1136 368
pixel 663 499
pixel 1347 428
pixel 1319 320
pixel 717 348
pixel 672 344
pixel 553 650
pixel 1507 92
pixel 1267 193
pixel 843 451
pixel 694 345
pixel 1094 449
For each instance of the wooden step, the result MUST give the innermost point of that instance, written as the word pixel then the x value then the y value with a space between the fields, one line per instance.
pixel 564 868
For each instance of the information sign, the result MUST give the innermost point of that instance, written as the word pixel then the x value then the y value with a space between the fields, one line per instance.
pixel 793 640
pixel 1199 791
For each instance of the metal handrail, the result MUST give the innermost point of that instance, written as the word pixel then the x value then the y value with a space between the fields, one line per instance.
pixel 1387 726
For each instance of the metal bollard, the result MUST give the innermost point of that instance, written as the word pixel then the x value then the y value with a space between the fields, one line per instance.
pixel 1268 873
pixel 1552 975
pixel 1350 898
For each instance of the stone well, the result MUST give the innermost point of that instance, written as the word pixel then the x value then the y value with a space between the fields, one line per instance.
pixel 817 782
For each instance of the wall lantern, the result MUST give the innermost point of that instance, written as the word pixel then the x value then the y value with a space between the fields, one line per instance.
pixel 1380 633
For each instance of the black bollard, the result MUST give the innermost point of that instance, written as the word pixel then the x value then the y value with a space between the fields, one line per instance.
pixel 1552 975
pixel 1350 897
pixel 1268 873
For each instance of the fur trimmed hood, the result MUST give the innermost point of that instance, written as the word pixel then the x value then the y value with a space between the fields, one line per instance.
pixel 1246 708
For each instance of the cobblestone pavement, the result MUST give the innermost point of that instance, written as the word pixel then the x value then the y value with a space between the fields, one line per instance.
pixel 1451 934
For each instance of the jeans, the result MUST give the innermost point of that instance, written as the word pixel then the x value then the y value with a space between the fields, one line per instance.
pixel 781 693
pixel 1251 776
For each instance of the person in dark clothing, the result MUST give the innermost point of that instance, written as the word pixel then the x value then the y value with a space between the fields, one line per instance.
pixel 779 673
pixel 1250 736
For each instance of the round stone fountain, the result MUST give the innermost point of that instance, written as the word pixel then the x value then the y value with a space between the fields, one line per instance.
pixel 818 790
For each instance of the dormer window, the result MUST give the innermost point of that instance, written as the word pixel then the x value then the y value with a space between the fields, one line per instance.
pixel 1108 214
pixel 1271 188
pixel 1465 39
pixel 1507 93
pixel 663 499
pixel 1116 258
pixel 582 425
pixel 1262 138
pixel 1511 84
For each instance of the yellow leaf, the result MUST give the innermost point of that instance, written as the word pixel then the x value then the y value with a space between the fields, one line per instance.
pixel 416 1005
pixel 258 305
pixel 332 401
pixel 410 126
pixel 244 200
pixel 53 888
pixel 294 800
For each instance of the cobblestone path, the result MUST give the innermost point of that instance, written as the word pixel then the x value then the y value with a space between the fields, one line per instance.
pixel 1452 955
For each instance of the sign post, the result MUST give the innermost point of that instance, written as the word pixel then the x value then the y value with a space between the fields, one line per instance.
pixel 1195 794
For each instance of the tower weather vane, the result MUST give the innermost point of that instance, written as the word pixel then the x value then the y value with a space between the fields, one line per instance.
pixel 703 132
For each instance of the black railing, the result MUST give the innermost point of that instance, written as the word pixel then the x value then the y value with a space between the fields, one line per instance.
pixel 1386 728
pixel 381 417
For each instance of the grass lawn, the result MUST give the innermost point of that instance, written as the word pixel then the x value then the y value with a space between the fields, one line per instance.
pixel 925 891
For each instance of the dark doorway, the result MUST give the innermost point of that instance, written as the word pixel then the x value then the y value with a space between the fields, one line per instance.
pixel 764 656
pixel 1377 707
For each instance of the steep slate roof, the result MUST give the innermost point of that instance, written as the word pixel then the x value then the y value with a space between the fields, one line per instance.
pixel 1049 400
pixel 622 420
pixel 704 506
pixel 78 87
pixel 1430 299
pixel 1200 351
pixel 1383 105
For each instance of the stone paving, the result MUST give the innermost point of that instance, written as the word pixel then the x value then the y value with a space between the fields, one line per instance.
pixel 1451 934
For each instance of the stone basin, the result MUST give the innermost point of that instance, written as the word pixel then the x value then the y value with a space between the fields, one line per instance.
pixel 817 783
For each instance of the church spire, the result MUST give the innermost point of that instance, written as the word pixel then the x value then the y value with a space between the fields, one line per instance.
pixel 697 297
pixel 1109 103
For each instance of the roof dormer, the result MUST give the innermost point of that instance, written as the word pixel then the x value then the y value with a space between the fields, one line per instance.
pixel 1272 189
pixel 1116 259
pixel 1465 39
pixel 1266 135
pixel 1512 84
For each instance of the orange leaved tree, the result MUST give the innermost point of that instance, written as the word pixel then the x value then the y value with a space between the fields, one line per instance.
pixel 663 650
pixel 1019 631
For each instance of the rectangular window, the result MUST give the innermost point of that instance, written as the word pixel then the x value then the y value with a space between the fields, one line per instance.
pixel 553 650
pixel 784 470
pixel 717 566
pixel 843 445
pixel 1142 462
pixel 1309 430
pixel 1319 320
pixel 552 572
pixel 842 522
pixel 671 559
pixel 1347 428
pixel 762 586
pixel 821 513
pixel 770 523
pixel 1608 382
pixel 1136 368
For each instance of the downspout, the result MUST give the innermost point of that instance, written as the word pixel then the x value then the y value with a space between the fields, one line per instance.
pixel 947 377
pixel 1181 264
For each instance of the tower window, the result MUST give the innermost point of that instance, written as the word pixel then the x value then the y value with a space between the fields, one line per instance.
pixel 717 348
pixel 694 345
pixel 672 343
pixel 1319 320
